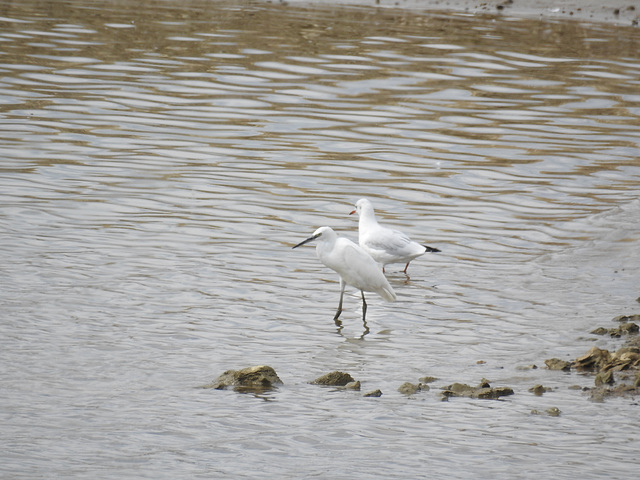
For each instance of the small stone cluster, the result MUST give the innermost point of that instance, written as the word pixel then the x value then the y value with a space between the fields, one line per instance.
pixel 615 373
pixel 620 368
pixel 483 390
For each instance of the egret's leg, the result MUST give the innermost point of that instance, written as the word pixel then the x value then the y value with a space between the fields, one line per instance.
pixel 364 307
pixel 342 286
pixel 366 330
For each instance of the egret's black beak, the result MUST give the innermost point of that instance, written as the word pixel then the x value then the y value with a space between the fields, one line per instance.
pixel 310 239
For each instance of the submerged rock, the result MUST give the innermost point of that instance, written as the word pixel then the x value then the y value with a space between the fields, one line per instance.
pixel 628 328
pixel 557 364
pixel 627 318
pixel 258 378
pixel 483 390
pixel 374 393
pixel 408 388
pixel 552 412
pixel 599 394
pixel 539 390
pixel 353 385
pixel 604 378
pixel 336 379
pixel 527 367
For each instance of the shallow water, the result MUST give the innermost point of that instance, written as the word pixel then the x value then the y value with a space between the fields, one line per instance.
pixel 161 158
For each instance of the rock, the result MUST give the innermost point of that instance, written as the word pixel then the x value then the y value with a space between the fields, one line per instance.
pixel 625 363
pixel 539 390
pixel 336 379
pixel 503 391
pixel 352 385
pixel 527 367
pixel 458 390
pixel 628 328
pixel 557 364
pixel 427 379
pixel 553 412
pixel 258 378
pixel 594 359
pixel 627 349
pixel 627 318
pixel 483 391
pixel 411 388
pixel 374 393
pixel 600 393
pixel 604 378
pixel 624 329
pixel 624 359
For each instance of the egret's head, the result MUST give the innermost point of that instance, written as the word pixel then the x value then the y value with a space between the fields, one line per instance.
pixel 322 231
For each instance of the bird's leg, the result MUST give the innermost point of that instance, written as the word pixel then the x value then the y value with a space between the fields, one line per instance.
pixel 383 269
pixel 364 307
pixel 366 329
pixel 405 268
pixel 342 286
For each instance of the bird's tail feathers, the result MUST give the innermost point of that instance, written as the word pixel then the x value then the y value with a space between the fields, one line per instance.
pixel 431 249
pixel 387 293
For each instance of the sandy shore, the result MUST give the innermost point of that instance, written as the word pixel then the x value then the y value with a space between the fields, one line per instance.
pixel 618 12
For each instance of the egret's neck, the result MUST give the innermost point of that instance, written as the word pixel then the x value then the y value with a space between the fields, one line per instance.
pixel 324 247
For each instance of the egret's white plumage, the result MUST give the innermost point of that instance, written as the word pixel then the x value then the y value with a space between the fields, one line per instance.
pixel 384 244
pixel 354 265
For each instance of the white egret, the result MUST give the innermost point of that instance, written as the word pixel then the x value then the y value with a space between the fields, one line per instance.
pixel 383 244
pixel 354 265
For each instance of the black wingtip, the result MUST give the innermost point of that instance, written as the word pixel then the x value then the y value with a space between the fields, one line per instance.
pixel 431 249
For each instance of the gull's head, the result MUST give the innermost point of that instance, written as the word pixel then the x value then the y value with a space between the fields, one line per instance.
pixel 322 233
pixel 362 205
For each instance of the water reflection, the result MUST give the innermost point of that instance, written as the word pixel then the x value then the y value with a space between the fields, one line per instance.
pixel 160 159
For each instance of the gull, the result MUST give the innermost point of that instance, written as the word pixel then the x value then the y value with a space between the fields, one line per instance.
pixel 383 244
pixel 353 264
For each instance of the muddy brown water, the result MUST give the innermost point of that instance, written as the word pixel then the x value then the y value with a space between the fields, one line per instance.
pixel 159 161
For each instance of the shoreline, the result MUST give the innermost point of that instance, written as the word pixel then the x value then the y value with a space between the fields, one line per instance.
pixel 624 13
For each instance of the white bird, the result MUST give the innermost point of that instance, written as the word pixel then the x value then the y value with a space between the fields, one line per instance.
pixel 354 265
pixel 383 244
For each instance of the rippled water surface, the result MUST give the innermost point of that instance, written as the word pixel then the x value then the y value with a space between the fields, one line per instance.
pixel 159 161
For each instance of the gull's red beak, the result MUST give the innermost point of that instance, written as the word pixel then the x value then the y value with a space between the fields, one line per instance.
pixel 352 212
